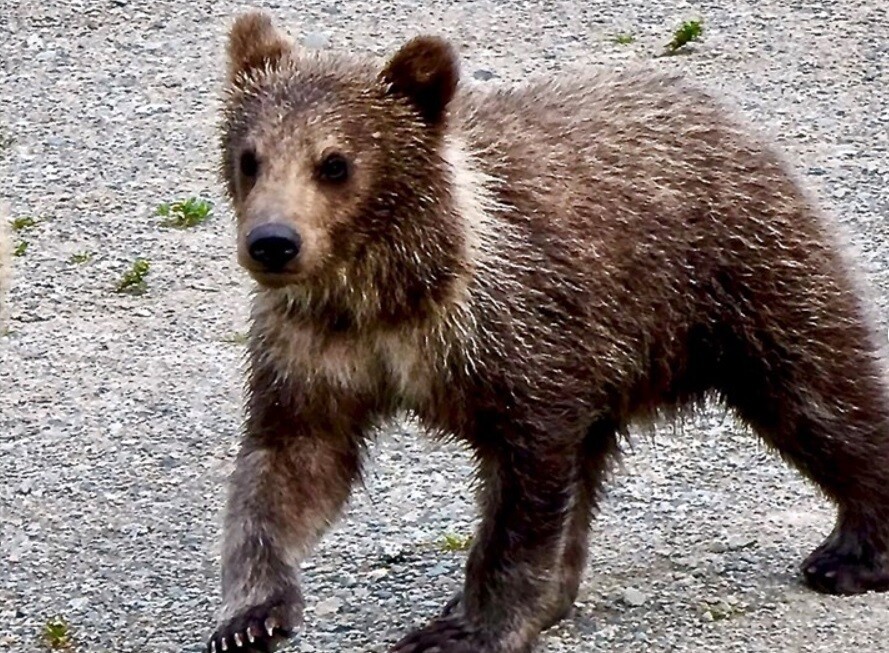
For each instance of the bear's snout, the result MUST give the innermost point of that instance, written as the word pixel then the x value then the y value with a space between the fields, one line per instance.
pixel 273 245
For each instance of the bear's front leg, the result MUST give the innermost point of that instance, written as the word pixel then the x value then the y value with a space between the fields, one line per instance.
pixel 512 577
pixel 293 473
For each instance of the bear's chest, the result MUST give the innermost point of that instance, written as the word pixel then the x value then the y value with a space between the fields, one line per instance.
pixel 398 367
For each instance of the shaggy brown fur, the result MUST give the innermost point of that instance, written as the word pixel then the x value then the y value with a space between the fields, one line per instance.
pixel 530 270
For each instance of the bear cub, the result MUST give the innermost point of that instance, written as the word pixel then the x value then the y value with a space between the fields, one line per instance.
pixel 530 270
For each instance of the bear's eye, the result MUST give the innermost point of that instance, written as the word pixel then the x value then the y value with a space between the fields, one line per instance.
pixel 248 163
pixel 334 168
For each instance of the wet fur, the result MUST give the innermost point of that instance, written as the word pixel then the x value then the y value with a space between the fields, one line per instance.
pixel 531 271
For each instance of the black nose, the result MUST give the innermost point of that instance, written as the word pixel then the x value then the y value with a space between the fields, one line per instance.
pixel 273 245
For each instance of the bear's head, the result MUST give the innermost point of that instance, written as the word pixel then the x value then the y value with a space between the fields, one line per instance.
pixel 335 170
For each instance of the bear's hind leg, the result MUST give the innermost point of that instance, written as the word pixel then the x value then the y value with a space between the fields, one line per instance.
pixel 821 400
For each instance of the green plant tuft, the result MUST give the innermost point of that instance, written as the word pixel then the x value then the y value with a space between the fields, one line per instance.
pixel 21 248
pixel 57 634
pixel 19 224
pixel 721 609
pixel 686 33
pixel 453 543
pixel 133 280
pixel 185 214
pixel 235 338
pixel 624 39
pixel 81 257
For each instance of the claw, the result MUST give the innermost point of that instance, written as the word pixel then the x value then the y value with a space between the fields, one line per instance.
pixel 270 625
pixel 250 636
pixel 224 644
pixel 212 646
pixel 239 641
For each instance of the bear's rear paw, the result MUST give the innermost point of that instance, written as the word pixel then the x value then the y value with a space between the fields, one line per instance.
pixel 261 629
pixel 845 564
pixel 445 635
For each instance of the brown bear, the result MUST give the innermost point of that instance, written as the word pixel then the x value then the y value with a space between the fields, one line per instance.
pixel 530 270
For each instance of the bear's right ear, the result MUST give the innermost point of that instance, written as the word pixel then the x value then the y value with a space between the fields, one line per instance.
pixel 253 42
pixel 425 71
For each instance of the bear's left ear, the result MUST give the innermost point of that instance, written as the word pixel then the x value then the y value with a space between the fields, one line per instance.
pixel 425 71
pixel 253 42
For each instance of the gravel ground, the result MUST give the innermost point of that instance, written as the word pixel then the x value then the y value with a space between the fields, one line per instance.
pixel 119 414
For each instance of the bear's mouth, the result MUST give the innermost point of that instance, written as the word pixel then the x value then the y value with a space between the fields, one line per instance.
pixel 274 279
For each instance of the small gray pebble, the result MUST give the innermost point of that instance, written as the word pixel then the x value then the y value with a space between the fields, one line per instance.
pixel 633 597
pixel 483 75
pixel 316 40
